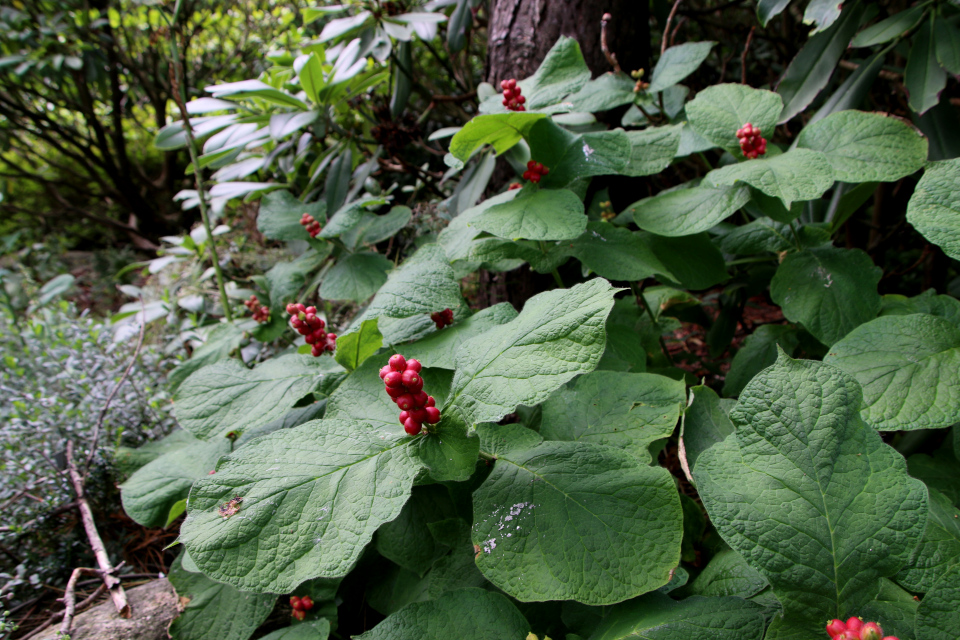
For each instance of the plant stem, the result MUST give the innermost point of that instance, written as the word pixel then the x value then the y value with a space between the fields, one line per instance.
pixel 751 260
pixel 489 457
pixel 554 272
pixel 179 93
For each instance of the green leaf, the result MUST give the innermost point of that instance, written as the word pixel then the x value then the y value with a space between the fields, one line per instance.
pixel 313 496
pixel 758 352
pixel 938 616
pixel 616 253
pixel 705 423
pixel 450 452
pixel 338 180
pixel 402 82
pixel 215 611
pixel 718 111
pixel 934 207
pixel 652 149
pixel 658 617
pixel 502 130
pixel 822 13
pixel 129 459
pixel 467 614
pixel 226 396
pixel 940 549
pixel 927 302
pixel 621 533
pixel 149 494
pixel 285 279
pixel 938 472
pixel 609 91
pixel 888 29
pixel 535 214
pixel 909 368
pixel 373 229
pixel 811 70
pixel 222 340
pixel 310 630
pixel 684 212
pixel 894 610
pixel 728 574
pixel 923 77
pixel 439 349
pixel 692 261
pixel 407 540
pixel 356 276
pixel 830 291
pixel 677 63
pixel 348 217
pixel 53 289
pixel 570 156
pixel 558 335
pixel 355 347
pixel 799 174
pixel 810 496
pixel 770 9
pixel 279 216
pixel 767 235
pixel 866 147
pixel 623 410
pixel 310 75
pixel 562 72
pixel 947 39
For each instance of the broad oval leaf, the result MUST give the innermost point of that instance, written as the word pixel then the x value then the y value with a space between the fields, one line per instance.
pixel 940 549
pixel 800 174
pixel 558 335
pixel 810 496
pixel 279 216
pixel 909 368
pixel 502 130
pixel 617 253
pixel 576 521
pixel 830 291
pixel 543 214
pixel 866 147
pixel 718 111
pixel 728 574
pixel 677 63
pixel 356 276
pixel 684 212
pixel 312 498
pixel 938 616
pixel 439 349
pixel 624 410
pixel 571 156
pixel 355 347
pixel 652 149
pixel 226 396
pixel 934 207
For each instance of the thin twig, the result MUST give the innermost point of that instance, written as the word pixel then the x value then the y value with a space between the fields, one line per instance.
pixel 59 614
pixel 610 55
pixel 69 599
pixel 99 551
pixel 743 56
pixel 113 392
pixel 666 27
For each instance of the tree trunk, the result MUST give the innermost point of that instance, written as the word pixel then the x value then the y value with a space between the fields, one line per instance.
pixel 522 31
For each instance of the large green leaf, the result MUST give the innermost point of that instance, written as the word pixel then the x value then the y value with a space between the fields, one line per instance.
pixel 677 63
pixel 947 39
pixel 313 496
pixel 928 302
pixel 800 174
pixel 467 614
pixel 609 91
pixel 888 29
pixel 909 368
pixel 810 71
pixel 938 616
pixel 866 147
pixel 571 156
pixel 502 130
pixel 373 228
pixel 439 349
pixel 894 609
pixel 450 452
pixel 652 149
pixel 407 540
pixel 759 351
pixel 705 423
pixel 285 279
pixel 810 495
pixel 562 72
pixel 692 261
pixel 215 611
pixel 831 291
pixel 558 335
pixel 624 410
pixel 355 347
pixel 279 216
pixel 718 111
pixel 684 212
pixel 310 630
pixel 658 617
pixel 940 549
pixel 150 492
pixel 222 340
pixel 226 396
pixel 620 523
pixel 356 276
pixel 728 574
pixel 536 214
pixel 923 77
pixel 938 471
pixel 617 253
pixel 934 207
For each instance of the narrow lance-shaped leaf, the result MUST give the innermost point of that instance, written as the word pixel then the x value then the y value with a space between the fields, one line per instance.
pixel 923 76
pixel 811 496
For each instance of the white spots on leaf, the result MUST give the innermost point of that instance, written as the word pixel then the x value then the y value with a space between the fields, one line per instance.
pixel 587 151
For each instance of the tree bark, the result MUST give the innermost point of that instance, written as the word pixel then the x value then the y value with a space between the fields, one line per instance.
pixel 522 31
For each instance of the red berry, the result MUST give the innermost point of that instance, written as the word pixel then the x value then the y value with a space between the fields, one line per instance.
pixel 403 416
pixel 433 415
pixel 299 615
pixel 430 402
pixel 420 399
pixel 316 351
pixel 295 602
pixel 531 165
pixel 521 100
pixel 871 631
pixel 405 402
pixel 412 427
pixel 504 84
pixel 420 415
pixel 310 339
pixel 835 627
pixel 511 83
pixel 891 638
pixel 301 308
pixel 854 624
pixel 409 378
pixel 211 473
pixel 414 365
pixel 415 386
pixel 395 392
pixel 398 362
pixel 307 603
pixel 507 94
pixel 384 370
pixel 394 379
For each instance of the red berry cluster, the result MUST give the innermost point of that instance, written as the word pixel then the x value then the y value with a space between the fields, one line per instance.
pixel 535 171
pixel 751 142
pixel 306 323
pixel 301 606
pixel 511 96
pixel 260 313
pixel 442 318
pixel 405 387
pixel 856 629
pixel 310 224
